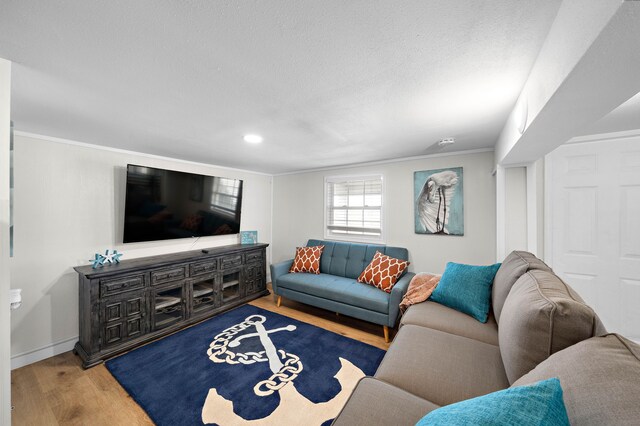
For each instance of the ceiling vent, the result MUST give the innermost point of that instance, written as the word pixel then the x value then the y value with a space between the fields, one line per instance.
pixel 446 142
pixel 440 146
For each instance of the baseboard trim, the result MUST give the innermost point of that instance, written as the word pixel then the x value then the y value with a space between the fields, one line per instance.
pixel 35 355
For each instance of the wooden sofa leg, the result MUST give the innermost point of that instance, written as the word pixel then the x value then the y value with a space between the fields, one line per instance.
pixel 279 301
pixel 386 333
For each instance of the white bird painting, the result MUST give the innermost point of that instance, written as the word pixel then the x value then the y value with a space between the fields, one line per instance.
pixel 434 202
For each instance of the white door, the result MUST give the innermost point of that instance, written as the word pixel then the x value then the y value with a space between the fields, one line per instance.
pixel 593 227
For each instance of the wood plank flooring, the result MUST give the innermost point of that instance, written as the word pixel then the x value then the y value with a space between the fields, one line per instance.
pixel 57 391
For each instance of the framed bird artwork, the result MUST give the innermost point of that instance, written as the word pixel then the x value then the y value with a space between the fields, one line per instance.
pixel 439 201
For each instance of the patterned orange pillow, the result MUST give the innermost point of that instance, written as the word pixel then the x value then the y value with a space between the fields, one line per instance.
pixel 383 272
pixel 307 260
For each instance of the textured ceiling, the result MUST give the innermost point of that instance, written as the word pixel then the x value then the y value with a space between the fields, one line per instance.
pixel 325 82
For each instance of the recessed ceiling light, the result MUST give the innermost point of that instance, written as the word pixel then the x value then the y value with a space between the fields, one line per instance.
pixel 253 138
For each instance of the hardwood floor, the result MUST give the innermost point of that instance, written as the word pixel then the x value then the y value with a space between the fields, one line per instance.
pixel 57 391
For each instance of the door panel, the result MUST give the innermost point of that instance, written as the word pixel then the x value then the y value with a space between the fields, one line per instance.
pixel 630 223
pixel 594 224
pixel 581 220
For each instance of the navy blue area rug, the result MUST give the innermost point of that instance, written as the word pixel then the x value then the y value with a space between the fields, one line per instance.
pixel 246 366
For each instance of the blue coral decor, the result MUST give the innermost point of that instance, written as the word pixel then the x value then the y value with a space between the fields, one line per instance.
pixel 109 256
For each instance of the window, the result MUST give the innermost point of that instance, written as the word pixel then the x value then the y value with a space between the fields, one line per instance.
pixel 353 207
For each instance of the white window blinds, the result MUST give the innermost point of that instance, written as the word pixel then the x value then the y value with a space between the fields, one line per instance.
pixel 354 207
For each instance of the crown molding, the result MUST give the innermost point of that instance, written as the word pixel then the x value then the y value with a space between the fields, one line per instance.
pixel 295 172
pixel 129 152
pixel 393 160
pixel 605 136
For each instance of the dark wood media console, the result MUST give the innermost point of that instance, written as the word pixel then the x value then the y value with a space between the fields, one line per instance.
pixel 125 305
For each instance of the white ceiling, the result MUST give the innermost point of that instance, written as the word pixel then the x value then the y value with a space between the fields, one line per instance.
pixel 625 117
pixel 325 82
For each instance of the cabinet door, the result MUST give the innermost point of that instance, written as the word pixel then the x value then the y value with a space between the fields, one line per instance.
pixel 168 305
pixel 254 278
pixel 231 285
pixel 124 317
pixel 261 277
pixel 204 294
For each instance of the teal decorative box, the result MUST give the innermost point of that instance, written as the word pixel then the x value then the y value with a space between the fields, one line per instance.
pixel 248 237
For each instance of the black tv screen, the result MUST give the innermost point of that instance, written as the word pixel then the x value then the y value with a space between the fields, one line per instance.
pixel 165 204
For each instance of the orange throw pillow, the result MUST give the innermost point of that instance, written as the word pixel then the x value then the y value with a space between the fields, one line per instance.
pixel 383 272
pixel 307 260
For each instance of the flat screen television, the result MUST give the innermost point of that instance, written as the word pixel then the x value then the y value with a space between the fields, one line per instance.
pixel 165 204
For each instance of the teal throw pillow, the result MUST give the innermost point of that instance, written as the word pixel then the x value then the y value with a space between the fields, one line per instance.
pixel 466 288
pixel 532 405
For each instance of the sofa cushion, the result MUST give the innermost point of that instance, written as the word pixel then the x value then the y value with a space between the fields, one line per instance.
pixel 440 367
pixel 307 260
pixel 350 259
pixel 542 315
pixel 439 317
pixel 600 378
pixel 513 267
pixel 532 405
pixel 374 402
pixel 339 289
pixel 383 272
pixel 466 288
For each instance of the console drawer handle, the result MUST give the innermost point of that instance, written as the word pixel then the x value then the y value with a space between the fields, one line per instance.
pixel 118 286
pixel 169 275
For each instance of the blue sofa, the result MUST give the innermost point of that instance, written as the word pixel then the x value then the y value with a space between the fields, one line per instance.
pixel 336 287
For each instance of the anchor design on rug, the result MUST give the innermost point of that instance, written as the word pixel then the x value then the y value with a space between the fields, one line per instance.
pixel 270 350
pixel 285 367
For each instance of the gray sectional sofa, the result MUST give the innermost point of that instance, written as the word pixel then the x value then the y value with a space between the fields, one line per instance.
pixel 539 329
pixel 336 288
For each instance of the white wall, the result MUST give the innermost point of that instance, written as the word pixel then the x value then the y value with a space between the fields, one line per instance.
pixel 515 209
pixel 298 211
pixel 69 201
pixel 5 109
pixel 538 227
